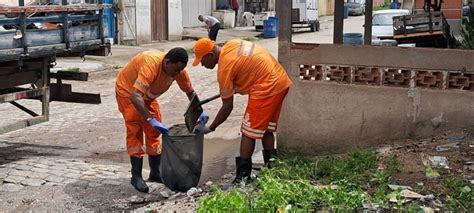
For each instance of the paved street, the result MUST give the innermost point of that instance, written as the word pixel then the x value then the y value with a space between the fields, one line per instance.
pixel 79 157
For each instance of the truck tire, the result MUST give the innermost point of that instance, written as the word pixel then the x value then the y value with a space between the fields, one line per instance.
pixel 314 26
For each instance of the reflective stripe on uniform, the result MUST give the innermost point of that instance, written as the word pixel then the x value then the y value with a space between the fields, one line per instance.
pixel 256 131
pixel 134 148
pixel 141 84
pixel 251 134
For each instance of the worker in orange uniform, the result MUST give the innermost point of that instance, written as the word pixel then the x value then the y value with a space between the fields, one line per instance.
pixel 148 75
pixel 246 68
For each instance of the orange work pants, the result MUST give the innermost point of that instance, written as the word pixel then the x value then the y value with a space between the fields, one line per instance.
pixel 137 125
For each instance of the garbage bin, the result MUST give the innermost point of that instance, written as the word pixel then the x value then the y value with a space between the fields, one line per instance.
pixel 346 11
pixel 352 38
pixel 270 27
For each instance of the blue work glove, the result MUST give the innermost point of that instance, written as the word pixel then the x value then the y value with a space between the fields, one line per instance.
pixel 202 128
pixel 158 126
pixel 203 118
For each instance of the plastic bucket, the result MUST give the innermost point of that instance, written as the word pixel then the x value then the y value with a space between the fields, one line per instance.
pixel 353 38
pixel 270 27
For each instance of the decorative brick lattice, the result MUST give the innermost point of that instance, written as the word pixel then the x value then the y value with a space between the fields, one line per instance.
pixel 460 81
pixel 397 77
pixel 311 72
pixel 393 77
pixel 339 74
pixel 367 76
pixel 427 79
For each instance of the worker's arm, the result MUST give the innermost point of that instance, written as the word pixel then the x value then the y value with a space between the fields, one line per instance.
pixel 191 95
pixel 224 112
pixel 139 103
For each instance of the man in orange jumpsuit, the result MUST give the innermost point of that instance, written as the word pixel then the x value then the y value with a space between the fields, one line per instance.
pixel 248 69
pixel 148 75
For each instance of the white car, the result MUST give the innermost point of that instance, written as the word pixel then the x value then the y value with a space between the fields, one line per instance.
pixel 382 23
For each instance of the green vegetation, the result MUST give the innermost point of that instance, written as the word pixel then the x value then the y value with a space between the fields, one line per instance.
pixel 385 6
pixel 190 50
pixel 467 32
pixel 336 183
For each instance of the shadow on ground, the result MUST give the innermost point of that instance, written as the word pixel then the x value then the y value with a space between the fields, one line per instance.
pixel 13 151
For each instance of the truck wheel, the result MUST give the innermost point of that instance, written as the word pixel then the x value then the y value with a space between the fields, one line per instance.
pixel 313 27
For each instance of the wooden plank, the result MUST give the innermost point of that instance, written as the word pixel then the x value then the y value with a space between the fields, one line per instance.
pixel 338 31
pixel 368 22
pixel 30 93
pixel 17 79
pixel 422 34
pixel 73 76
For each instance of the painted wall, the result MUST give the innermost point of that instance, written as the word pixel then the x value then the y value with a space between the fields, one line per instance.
pixel 175 19
pixel 143 15
pixel 192 9
pixel 14 2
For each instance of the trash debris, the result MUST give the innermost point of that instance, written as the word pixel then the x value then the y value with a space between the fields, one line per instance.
pixel 209 183
pixel 411 194
pixel 457 138
pixel 427 209
pixel 396 187
pixel 434 161
pixel 447 147
pixel 431 174
pixel 165 193
pixel 469 165
pixel 193 191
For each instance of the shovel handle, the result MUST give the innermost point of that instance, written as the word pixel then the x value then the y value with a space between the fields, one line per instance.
pixel 207 100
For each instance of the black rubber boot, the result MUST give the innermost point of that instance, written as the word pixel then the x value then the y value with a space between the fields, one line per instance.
pixel 269 156
pixel 154 162
pixel 244 169
pixel 137 180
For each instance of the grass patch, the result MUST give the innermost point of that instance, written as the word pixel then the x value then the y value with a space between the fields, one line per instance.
pixel 251 39
pixel 305 184
pixel 335 184
pixel 190 50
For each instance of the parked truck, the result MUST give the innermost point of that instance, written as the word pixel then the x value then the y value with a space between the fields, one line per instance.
pixel 31 38
pixel 305 14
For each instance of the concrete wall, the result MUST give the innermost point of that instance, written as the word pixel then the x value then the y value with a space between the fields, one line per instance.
pixel 322 118
pixel 143 23
pixel 348 97
pixel 175 19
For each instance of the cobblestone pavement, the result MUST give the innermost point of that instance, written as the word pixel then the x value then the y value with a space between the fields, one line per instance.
pixel 77 160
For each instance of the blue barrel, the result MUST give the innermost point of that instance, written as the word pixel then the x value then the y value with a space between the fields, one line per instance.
pixel 346 11
pixel 353 38
pixel 270 27
pixel 109 21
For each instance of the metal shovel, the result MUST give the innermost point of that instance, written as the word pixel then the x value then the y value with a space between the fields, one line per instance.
pixel 194 110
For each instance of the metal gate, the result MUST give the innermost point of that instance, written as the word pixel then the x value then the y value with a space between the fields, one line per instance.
pixel 128 32
pixel 159 19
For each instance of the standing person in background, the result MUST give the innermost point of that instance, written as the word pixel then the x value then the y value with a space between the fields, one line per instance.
pixel 213 25
pixel 235 6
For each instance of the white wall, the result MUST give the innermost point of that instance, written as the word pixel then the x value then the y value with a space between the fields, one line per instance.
pixel 192 9
pixel 175 20
pixel 14 2
pixel 143 13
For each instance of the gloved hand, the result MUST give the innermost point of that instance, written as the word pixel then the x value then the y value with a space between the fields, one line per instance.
pixel 203 118
pixel 158 126
pixel 202 129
